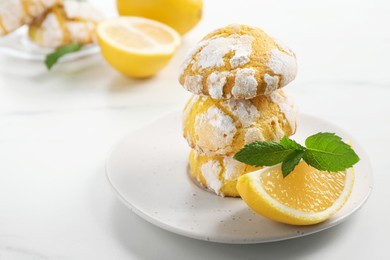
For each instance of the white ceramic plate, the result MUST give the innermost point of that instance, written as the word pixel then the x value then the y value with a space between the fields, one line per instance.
pixel 148 172
pixel 18 45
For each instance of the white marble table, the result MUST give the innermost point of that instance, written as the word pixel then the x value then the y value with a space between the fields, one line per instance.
pixel 57 128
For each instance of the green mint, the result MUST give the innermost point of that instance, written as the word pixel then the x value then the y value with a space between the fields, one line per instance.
pixel 52 58
pixel 292 160
pixel 323 151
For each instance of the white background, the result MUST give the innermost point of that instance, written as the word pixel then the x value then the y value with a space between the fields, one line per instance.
pixel 57 128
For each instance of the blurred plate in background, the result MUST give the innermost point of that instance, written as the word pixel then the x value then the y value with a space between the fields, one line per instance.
pixel 18 45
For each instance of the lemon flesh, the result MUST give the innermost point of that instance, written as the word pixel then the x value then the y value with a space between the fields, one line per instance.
pixel 181 15
pixel 306 196
pixel 137 47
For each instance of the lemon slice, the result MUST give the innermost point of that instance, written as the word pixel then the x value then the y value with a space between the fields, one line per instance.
pixel 306 196
pixel 137 47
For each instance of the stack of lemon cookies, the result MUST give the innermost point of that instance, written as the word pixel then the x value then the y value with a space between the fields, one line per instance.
pixel 236 74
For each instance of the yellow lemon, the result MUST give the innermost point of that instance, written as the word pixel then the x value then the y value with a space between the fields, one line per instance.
pixel 137 47
pixel 306 196
pixel 182 15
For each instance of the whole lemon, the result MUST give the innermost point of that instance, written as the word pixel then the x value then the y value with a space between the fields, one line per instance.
pixel 181 15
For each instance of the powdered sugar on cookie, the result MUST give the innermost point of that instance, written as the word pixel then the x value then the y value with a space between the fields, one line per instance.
pixel 215 83
pixel 213 53
pixel 82 10
pixel 283 65
pixel 210 172
pixel 193 84
pixel 245 86
pixel 190 56
pixel 215 130
pixel 52 34
pixel 282 46
pixel 287 107
pixel 243 110
pixel 272 83
pixel 253 134
pixel 233 168
pixel 243 50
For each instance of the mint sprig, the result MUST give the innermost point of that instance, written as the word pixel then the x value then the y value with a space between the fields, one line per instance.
pixel 323 151
pixel 52 58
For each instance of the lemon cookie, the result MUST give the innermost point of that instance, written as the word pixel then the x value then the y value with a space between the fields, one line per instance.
pixel 223 127
pixel 239 62
pixel 67 23
pixel 16 13
pixel 219 174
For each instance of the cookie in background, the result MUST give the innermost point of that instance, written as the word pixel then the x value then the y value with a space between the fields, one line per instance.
pixel 65 23
pixel 16 13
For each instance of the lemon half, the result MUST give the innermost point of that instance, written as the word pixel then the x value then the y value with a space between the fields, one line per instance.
pixel 137 47
pixel 306 196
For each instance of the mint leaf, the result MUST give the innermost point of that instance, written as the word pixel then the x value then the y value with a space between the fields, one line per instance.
pixel 327 152
pixel 262 153
pixel 291 161
pixel 290 144
pixel 52 58
pixel 323 151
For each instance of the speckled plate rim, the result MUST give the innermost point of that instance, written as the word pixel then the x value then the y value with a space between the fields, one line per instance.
pixel 300 230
